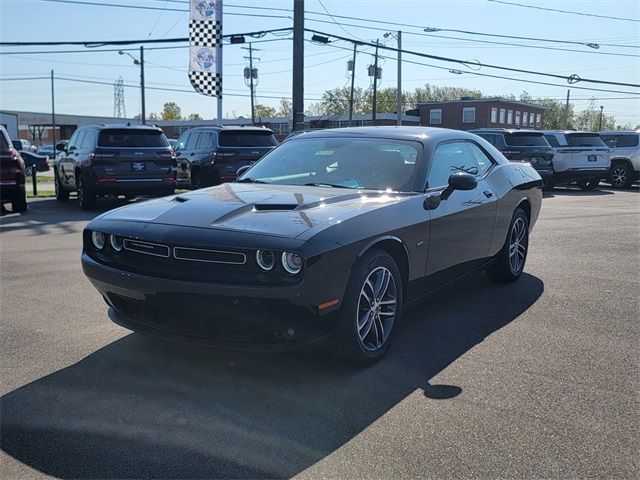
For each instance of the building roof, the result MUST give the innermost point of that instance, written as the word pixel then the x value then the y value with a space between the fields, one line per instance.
pixel 486 100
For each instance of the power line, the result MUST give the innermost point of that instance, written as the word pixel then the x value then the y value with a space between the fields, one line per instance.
pixel 565 11
pixel 570 79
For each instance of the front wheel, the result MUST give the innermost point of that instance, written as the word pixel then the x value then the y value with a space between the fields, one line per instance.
pixel 86 197
pixel 19 202
pixel 62 195
pixel 621 176
pixel 371 307
pixel 588 184
pixel 509 262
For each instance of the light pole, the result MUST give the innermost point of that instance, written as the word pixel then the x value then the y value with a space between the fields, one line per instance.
pixel 600 123
pixel 141 63
pixel 399 82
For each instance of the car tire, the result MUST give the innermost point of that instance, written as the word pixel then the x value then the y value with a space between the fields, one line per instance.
pixel 363 330
pixel 19 202
pixel 86 197
pixel 548 184
pixel 62 195
pixel 588 184
pixel 196 179
pixel 509 263
pixel 621 175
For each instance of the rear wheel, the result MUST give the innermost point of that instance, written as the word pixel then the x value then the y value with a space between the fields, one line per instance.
pixel 621 175
pixel 86 197
pixel 62 195
pixel 510 260
pixel 371 307
pixel 548 184
pixel 19 202
pixel 196 179
pixel 588 184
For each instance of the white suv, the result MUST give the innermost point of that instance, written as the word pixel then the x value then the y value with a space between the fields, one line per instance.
pixel 578 156
pixel 625 156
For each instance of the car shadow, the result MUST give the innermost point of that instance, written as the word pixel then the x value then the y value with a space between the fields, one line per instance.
pixel 143 408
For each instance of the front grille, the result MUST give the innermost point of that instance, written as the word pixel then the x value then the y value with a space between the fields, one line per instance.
pixel 209 256
pixel 146 248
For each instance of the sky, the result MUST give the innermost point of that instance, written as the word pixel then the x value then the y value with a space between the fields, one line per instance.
pixel 22 86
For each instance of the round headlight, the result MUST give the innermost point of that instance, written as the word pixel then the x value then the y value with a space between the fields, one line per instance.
pixel 292 262
pixel 98 239
pixel 265 259
pixel 115 242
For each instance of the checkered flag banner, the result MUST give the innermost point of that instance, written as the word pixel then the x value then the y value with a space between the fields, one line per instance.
pixel 205 44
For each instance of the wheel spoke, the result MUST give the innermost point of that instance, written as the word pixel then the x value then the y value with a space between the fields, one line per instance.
pixel 379 329
pixel 364 330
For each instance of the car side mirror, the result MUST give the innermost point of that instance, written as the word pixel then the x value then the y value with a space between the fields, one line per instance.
pixel 459 181
pixel 177 153
pixel 242 170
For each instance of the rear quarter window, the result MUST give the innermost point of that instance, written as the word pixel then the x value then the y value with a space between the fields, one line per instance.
pixel 247 139
pixel 118 138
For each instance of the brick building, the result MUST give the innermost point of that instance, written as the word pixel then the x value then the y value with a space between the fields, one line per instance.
pixel 468 113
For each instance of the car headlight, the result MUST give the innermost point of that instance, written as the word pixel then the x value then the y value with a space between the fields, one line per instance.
pixel 98 239
pixel 115 242
pixel 265 259
pixel 292 262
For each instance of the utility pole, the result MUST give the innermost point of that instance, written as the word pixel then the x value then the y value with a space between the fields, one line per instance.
pixel 375 85
pixel 144 116
pixel 600 123
pixel 399 87
pixel 53 115
pixel 566 112
pixel 251 77
pixel 353 78
pixel 298 65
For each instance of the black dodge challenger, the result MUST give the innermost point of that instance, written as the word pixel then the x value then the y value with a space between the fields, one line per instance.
pixel 329 235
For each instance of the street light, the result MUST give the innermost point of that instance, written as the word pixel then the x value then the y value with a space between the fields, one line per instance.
pixel 600 126
pixel 141 63
pixel 398 37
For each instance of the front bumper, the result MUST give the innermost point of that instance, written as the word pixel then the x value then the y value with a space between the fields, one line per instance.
pixel 227 316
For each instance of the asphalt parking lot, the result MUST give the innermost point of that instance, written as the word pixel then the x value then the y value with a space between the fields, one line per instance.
pixel 535 379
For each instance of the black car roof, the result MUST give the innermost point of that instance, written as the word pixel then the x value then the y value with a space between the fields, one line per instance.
pixel 230 128
pixel 421 134
pixel 123 126
pixel 506 130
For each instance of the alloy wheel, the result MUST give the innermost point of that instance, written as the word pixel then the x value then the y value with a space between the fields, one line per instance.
pixel 517 245
pixel 619 177
pixel 377 306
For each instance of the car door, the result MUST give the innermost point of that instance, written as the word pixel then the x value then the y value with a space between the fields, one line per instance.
pixel 183 164
pixel 67 164
pixel 462 225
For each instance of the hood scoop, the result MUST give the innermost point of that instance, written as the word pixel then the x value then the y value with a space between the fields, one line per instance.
pixel 277 207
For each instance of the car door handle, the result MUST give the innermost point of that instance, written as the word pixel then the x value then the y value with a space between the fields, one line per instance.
pixel 488 194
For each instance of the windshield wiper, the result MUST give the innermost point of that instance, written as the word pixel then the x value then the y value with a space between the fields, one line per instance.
pixel 322 184
pixel 250 180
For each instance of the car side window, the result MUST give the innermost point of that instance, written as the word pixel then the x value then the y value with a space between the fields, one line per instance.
pixel 78 143
pixel 552 141
pixel 73 140
pixel 205 142
pixel 193 141
pixel 489 138
pixel 89 140
pixel 182 142
pixel 482 159
pixel 450 158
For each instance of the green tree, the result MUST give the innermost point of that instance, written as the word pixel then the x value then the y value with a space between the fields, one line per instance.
pixel 264 111
pixel 589 119
pixel 154 116
pixel 194 117
pixel 285 108
pixel 171 111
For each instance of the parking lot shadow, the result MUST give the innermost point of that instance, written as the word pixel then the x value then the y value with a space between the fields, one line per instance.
pixel 143 408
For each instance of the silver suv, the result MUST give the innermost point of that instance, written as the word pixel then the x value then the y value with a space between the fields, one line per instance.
pixel 580 157
pixel 625 156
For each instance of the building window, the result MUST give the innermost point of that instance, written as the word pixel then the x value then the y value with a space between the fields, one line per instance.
pixel 539 120
pixel 525 119
pixel 469 115
pixel 435 116
pixel 502 115
pixel 510 117
pixel 494 115
pixel 517 118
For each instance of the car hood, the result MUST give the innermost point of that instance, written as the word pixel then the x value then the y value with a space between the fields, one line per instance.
pixel 277 210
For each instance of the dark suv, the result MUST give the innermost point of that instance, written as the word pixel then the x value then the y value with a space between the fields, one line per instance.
pixel 115 160
pixel 211 155
pixel 522 146
pixel 11 174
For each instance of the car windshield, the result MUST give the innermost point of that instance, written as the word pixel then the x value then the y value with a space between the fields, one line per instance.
pixel 377 164
pixel 526 140
pixel 621 141
pixel 585 140
pixel 248 138
pixel 128 137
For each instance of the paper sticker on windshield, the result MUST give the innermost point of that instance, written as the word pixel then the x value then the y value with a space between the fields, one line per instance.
pixel 325 153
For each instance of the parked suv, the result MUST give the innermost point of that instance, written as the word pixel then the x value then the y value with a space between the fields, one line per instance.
pixel 11 174
pixel 522 146
pixel 579 156
pixel 115 160
pixel 211 155
pixel 22 144
pixel 625 156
